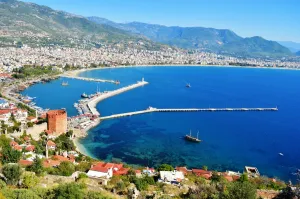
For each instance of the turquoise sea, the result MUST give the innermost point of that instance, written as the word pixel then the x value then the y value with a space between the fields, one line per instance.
pixel 231 140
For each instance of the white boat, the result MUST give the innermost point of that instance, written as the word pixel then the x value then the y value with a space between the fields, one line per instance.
pixel 281 154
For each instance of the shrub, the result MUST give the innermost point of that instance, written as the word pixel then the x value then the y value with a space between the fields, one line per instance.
pixel 12 172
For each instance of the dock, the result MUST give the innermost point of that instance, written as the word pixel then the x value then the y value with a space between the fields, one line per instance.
pixel 89 79
pixel 151 110
pixel 91 103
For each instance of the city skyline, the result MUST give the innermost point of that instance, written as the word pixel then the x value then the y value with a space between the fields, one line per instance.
pixel 272 20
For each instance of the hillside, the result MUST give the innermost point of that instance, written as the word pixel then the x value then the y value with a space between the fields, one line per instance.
pixel 37 25
pixel 210 39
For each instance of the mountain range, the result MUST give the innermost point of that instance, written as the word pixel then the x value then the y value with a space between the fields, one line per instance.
pixel 214 40
pixel 36 25
pixel 293 46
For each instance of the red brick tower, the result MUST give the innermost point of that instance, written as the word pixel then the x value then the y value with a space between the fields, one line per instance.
pixel 57 121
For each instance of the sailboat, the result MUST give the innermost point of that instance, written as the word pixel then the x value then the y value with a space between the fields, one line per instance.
pixel 191 138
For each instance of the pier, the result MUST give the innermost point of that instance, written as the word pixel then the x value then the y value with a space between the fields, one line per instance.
pixel 91 103
pixel 89 79
pixel 151 110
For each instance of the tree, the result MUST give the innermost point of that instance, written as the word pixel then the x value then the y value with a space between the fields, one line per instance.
pixel 165 167
pixel 215 177
pixel 243 178
pixel 64 143
pixel 203 191
pixel 94 195
pixel 205 168
pixel 10 155
pixel 30 180
pixel 66 168
pixel 83 166
pixel 238 190
pixel 12 172
pixel 69 191
pixel 37 166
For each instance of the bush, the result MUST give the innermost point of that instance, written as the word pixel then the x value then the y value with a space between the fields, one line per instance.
pixel 2 184
pixel 238 190
pixel 12 172
pixel 36 167
pixel 30 180
pixel 10 155
pixel 165 167
pixel 66 168
pixel 83 166
pixel 71 191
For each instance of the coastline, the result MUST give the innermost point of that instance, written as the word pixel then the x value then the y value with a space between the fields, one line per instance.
pixel 76 73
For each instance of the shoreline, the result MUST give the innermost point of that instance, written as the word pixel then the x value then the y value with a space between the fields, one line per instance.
pixel 77 73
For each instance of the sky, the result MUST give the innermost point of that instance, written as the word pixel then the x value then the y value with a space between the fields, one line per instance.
pixel 272 19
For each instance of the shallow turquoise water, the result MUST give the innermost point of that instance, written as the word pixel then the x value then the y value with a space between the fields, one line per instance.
pixel 231 140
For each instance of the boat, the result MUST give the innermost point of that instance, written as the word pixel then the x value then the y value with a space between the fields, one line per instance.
pixel 117 82
pixel 188 85
pixel 83 95
pixel 191 138
pixel 65 84
pixel 281 154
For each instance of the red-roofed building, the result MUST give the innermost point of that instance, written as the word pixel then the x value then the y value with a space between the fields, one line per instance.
pixel 51 163
pixel 184 170
pixel 62 158
pixel 25 163
pixel 202 173
pixel 51 145
pixel 30 148
pixel 17 148
pixel 106 170
pixel 13 143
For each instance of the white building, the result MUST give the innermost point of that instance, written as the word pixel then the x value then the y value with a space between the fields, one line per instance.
pixel 171 176
pixel 100 172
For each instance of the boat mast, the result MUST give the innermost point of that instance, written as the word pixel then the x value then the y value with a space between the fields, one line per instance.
pixel 191 133
pixel 197 135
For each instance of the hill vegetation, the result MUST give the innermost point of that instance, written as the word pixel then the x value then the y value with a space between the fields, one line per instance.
pixel 213 40
pixel 35 25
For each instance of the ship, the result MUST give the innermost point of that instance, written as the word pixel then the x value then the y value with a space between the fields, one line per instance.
pixel 117 82
pixel 191 138
pixel 65 84
pixel 83 95
pixel 188 85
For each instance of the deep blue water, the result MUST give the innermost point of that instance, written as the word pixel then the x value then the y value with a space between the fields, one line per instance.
pixel 231 140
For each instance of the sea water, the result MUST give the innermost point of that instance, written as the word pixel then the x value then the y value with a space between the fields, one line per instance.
pixel 230 140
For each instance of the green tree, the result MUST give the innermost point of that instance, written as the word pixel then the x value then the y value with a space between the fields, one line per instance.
pixel 69 191
pixel 243 178
pixel 37 166
pixel 10 155
pixel 205 168
pixel 203 191
pixel 30 180
pixel 238 190
pixel 12 173
pixel 215 177
pixel 64 143
pixel 66 168
pixel 165 167
pixel 83 166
